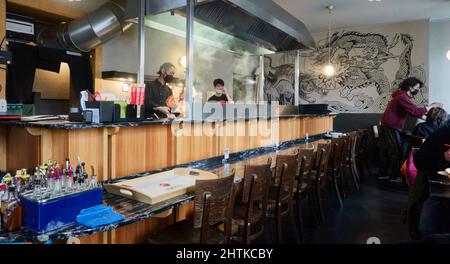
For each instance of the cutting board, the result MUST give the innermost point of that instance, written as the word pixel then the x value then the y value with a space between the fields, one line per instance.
pixel 160 187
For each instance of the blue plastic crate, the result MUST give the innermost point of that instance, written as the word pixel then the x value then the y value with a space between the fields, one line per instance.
pixel 46 216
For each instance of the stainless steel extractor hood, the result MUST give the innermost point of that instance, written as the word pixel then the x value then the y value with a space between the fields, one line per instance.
pixel 95 29
pixel 261 22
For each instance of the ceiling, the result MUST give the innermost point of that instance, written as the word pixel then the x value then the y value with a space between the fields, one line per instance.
pixel 346 13
pixel 85 5
pixel 360 13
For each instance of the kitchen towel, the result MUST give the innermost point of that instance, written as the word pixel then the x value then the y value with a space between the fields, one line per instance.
pixel 99 216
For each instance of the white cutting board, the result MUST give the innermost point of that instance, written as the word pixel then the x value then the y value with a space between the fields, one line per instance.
pixel 160 187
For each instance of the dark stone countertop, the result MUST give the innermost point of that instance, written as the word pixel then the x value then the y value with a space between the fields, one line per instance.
pixel 135 211
pixel 60 124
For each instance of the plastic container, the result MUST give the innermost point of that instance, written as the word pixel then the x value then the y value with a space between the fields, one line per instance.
pixel 52 214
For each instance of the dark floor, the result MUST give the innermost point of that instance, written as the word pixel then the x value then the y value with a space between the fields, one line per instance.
pixel 374 211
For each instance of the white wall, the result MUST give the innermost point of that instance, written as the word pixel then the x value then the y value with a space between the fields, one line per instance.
pixel 439 64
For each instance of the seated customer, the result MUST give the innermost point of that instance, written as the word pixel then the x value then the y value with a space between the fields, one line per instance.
pixel 433 156
pixel 436 118
pixel 221 95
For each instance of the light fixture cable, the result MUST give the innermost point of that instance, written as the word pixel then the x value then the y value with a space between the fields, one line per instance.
pixel 329 69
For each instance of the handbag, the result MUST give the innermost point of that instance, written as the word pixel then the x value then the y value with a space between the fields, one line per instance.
pixel 409 169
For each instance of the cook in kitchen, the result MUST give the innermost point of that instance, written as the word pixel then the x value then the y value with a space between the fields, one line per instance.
pixel 159 97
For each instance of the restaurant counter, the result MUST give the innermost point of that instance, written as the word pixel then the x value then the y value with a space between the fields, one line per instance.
pixel 119 150
pixel 135 211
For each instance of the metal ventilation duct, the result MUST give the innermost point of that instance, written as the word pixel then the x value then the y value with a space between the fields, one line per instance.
pixel 261 22
pixel 90 31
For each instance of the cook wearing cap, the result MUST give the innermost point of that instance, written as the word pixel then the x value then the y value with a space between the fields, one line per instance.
pixel 158 96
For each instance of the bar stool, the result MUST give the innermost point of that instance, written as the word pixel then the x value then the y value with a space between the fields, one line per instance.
pixel 281 193
pixel 249 210
pixel 304 186
pixel 214 200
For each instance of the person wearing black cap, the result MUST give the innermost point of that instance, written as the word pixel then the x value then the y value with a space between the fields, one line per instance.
pixel 158 96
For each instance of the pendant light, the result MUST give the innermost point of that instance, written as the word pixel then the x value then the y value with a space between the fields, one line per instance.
pixel 329 68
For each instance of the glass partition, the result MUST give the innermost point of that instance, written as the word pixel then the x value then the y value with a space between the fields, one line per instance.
pixel 220 55
pixel 165 45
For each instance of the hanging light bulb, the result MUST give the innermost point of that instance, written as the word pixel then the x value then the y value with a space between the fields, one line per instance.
pixel 329 68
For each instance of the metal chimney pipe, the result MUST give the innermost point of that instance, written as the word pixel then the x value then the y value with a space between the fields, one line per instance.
pixel 87 33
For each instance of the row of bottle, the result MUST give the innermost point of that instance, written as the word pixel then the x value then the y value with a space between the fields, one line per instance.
pixel 50 180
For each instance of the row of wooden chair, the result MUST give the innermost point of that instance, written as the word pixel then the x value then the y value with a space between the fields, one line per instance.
pixel 227 212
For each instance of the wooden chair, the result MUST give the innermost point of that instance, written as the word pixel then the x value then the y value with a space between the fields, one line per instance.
pixel 214 200
pixel 335 168
pixel 362 155
pixel 250 210
pixel 281 193
pixel 304 186
pixel 350 161
pixel 346 141
pixel 319 175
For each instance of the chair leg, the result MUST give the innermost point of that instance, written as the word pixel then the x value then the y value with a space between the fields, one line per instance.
pixel 342 180
pixel 278 226
pixel 299 218
pixel 336 188
pixel 367 163
pixel 294 224
pixel 355 167
pixel 247 232
pixel 320 206
pixel 313 210
pixel 354 176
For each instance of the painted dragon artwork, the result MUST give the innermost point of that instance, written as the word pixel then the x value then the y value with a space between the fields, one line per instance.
pixel 369 67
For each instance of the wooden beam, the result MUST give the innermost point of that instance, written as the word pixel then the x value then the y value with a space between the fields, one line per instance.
pixel 48 7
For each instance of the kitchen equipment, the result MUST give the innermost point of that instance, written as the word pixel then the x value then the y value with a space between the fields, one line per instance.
pixel 160 187
pixel 106 110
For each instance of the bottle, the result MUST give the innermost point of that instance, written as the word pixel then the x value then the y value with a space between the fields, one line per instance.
pixel 11 211
pixel 226 154
pixel 307 140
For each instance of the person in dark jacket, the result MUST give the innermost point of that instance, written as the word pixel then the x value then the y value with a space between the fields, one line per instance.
pixel 436 118
pixel 393 122
pixel 433 156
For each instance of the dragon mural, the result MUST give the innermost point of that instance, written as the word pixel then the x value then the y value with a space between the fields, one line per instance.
pixel 361 82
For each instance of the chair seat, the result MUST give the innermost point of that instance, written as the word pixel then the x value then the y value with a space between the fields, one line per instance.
pixel 273 193
pixel 272 200
pixel 184 233
pixel 240 212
